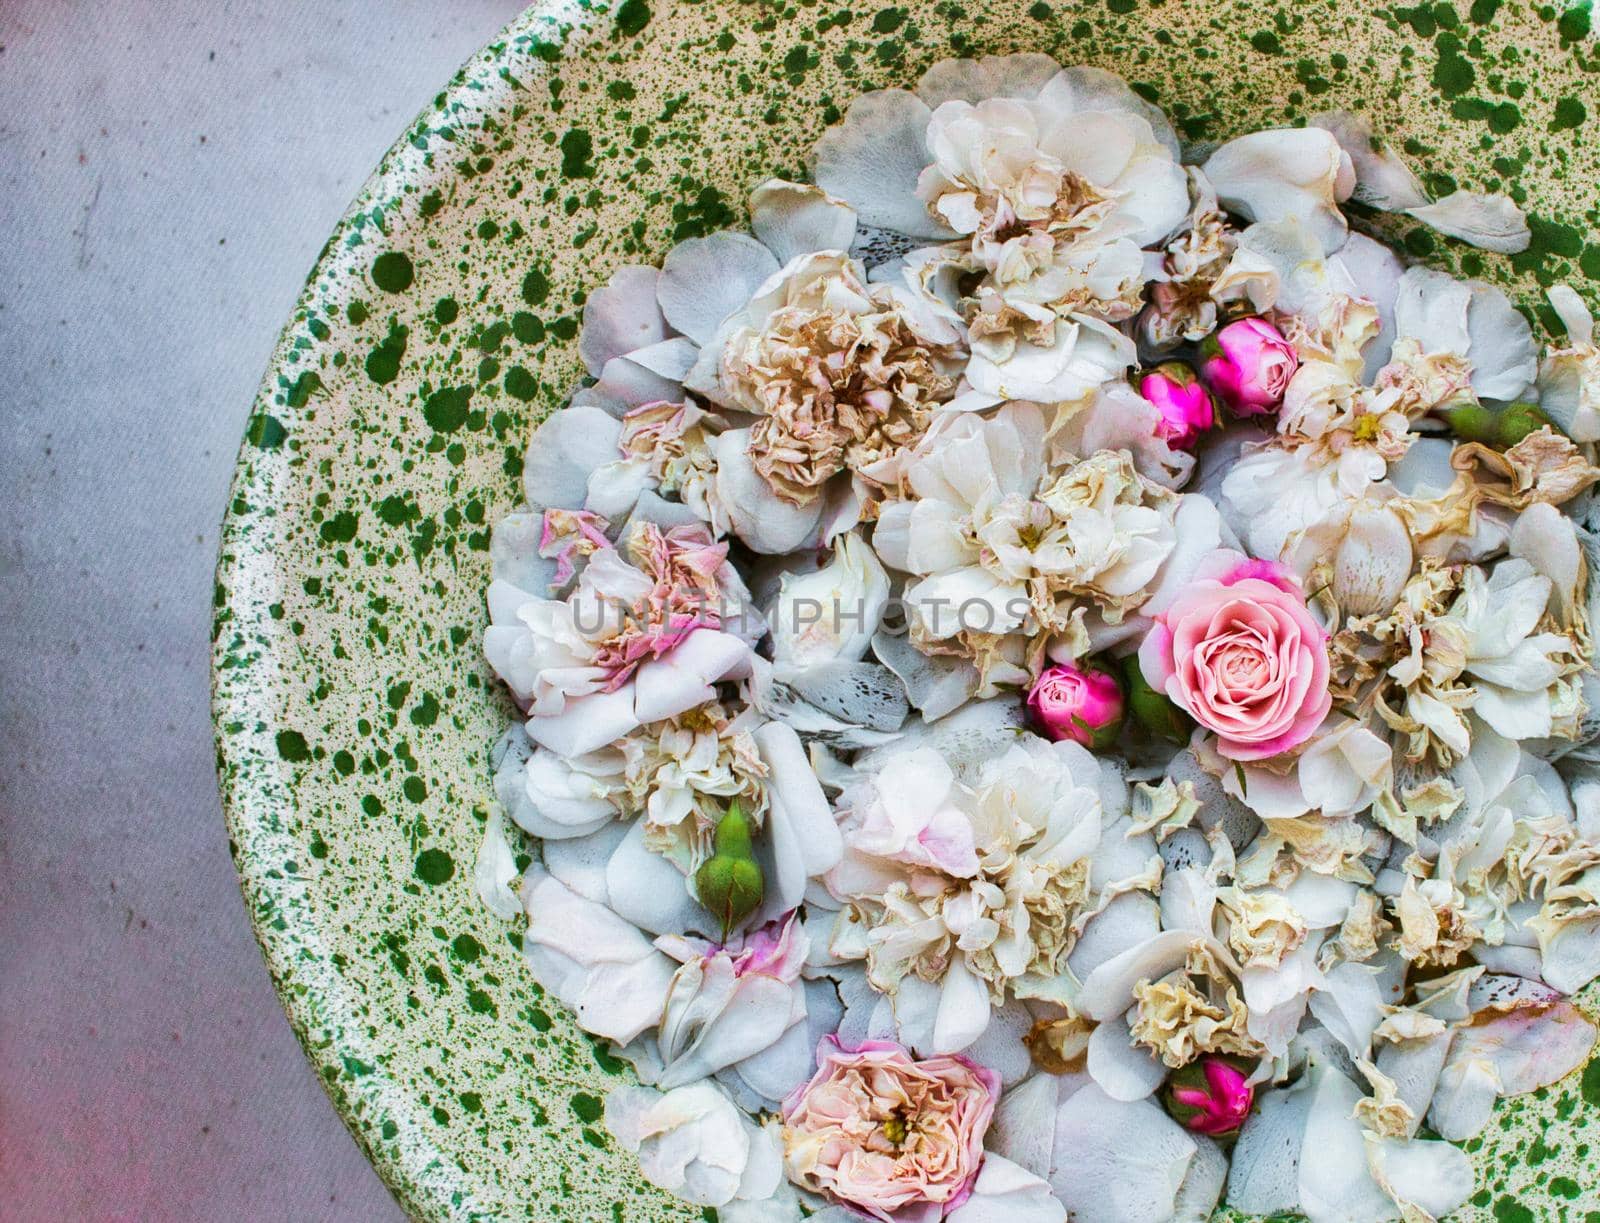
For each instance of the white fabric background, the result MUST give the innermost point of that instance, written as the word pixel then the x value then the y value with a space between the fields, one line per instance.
pixel 168 171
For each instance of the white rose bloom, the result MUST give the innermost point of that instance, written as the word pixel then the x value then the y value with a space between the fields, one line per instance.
pixel 1520 674
pixel 1272 497
pixel 972 888
pixel 694 1142
pixel 651 625
pixel 830 614
pixel 1001 543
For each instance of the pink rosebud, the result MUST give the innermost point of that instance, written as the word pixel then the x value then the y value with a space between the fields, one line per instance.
pixel 1211 1096
pixel 1084 705
pixel 1248 365
pixel 1184 404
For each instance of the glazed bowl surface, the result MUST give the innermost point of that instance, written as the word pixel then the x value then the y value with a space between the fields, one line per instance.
pixel 354 713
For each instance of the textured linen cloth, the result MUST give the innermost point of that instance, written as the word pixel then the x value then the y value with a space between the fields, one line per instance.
pixel 169 170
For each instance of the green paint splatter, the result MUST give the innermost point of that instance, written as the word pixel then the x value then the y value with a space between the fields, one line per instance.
pixel 1508 1210
pixel 447 408
pixel 1565 1187
pixel 1590 1086
pixel 397 509
pixel 1453 75
pixel 535 287
pixel 392 272
pixel 467 948
pixel 266 432
pixel 445 310
pixel 433 867
pixel 292 746
pixel 1574 23
pixel 586 1107
pixel 340 529
pixel 383 362
pixel 633 16
pixel 1570 113
pixel 520 384
pixel 577 147
pixel 303 388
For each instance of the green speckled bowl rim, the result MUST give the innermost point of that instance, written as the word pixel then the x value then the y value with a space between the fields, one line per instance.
pixel 474 1096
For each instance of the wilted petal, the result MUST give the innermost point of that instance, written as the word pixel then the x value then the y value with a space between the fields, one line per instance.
pixel 1006 1193
pixel 830 614
pixel 712 1019
pixel 648 891
pixel 692 1142
pixel 704 280
pixel 495 871
pixel 598 964
pixel 566 448
pixel 1433 1177
pixel 1463 1099
pixel 1108 990
pixel 1264 1177
pixel 1491 222
pixel 1123 1070
pixel 1383 180
pixel 963 1012
pixel 1276 175
pixel 1083 89
pixel 665 687
pixel 1118 1162
pixel 873 159
pixel 1530 1045
pixel 1373 562
pixel 586 723
pixel 1202 1185
pixel 793 782
pixel 621 316
pixel 793 219
pixel 935 684
pixel 759 517
pixel 1335 1184
pixel 1024 1127
pixel 994 76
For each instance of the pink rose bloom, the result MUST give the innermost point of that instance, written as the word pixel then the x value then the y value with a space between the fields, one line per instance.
pixel 1212 1097
pixel 1248 365
pixel 895 1137
pixel 567 535
pixel 1185 405
pixel 682 565
pixel 1082 705
pixel 1244 657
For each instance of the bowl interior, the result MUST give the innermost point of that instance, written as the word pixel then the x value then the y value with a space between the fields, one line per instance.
pixel 354 714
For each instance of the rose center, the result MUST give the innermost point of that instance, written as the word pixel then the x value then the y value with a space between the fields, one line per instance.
pixel 896 1129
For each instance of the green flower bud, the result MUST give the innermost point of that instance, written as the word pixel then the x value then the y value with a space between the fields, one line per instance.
pixel 1473 423
pixel 1518 421
pixel 1151 709
pixel 729 883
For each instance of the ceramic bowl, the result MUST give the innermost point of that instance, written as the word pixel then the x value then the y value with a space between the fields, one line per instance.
pixel 354 713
